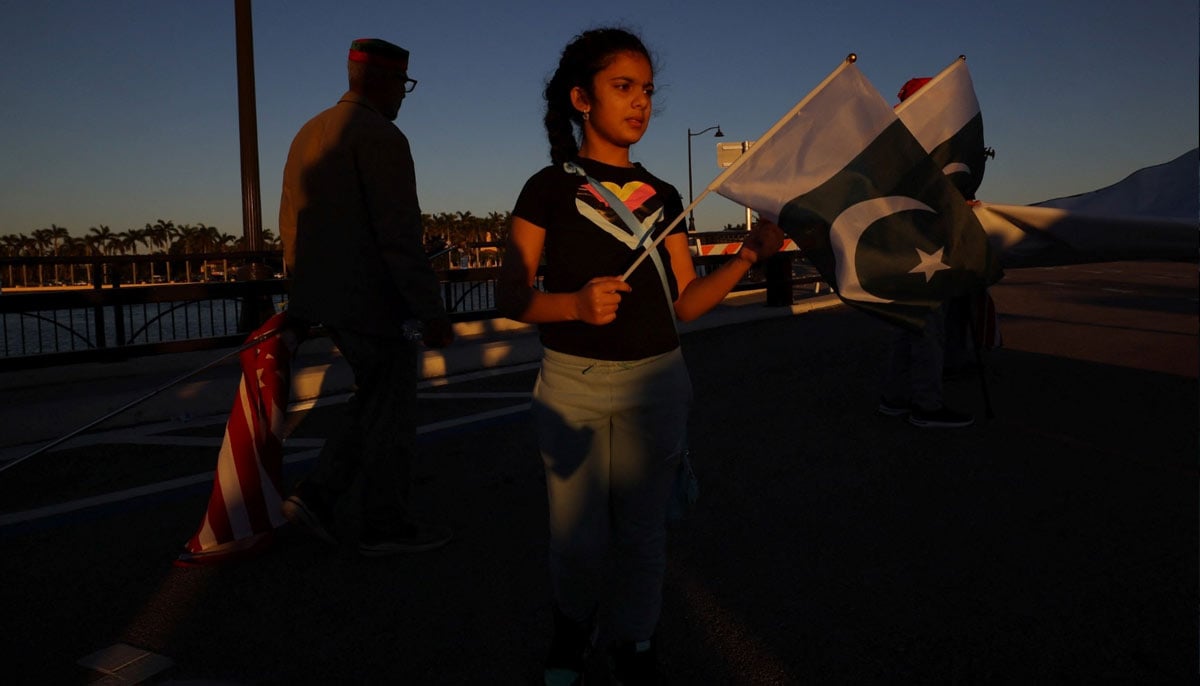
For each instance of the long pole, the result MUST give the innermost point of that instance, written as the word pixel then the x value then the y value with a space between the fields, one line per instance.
pixel 254 310
pixel 718 134
pixel 248 127
pixel 691 197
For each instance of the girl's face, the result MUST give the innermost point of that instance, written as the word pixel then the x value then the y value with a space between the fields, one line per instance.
pixel 619 106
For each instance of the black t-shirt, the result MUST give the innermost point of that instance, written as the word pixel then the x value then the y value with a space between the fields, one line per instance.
pixel 585 238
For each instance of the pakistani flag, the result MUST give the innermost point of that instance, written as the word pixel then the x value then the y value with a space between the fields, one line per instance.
pixel 944 116
pixel 844 177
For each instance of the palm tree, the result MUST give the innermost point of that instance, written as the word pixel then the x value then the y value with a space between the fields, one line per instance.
pixel 43 240
pixel 173 233
pixel 129 241
pixel 154 236
pixel 160 233
pixel 226 243
pixel 76 247
pixel 12 248
pixel 59 236
pixel 94 246
pixel 498 223
pixel 207 238
pixel 103 238
pixel 10 244
pixel 169 233
pixel 185 238
pixel 133 237
pixel 204 239
pixel 29 248
pixel 269 241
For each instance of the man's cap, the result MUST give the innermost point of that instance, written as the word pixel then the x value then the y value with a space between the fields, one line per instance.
pixel 912 86
pixel 378 52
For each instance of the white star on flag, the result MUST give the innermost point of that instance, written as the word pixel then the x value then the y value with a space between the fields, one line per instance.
pixel 930 264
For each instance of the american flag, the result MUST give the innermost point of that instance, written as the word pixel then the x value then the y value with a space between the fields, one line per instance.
pixel 243 510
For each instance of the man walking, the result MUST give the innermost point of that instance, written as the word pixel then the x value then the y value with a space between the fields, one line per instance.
pixel 352 238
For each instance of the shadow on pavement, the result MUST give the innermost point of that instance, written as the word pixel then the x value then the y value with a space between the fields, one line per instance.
pixel 1053 543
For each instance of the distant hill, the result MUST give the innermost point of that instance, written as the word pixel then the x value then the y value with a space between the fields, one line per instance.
pixel 1167 191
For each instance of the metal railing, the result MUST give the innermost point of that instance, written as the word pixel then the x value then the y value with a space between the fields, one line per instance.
pixel 113 319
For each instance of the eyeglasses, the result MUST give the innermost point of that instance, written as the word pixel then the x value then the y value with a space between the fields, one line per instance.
pixel 410 85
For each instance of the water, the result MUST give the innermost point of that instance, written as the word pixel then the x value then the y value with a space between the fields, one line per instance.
pixel 75 329
pixel 63 330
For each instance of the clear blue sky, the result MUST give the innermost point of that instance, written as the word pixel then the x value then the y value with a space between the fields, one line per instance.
pixel 122 112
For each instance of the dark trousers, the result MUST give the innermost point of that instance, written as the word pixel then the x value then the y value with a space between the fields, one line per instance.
pixel 914 369
pixel 377 438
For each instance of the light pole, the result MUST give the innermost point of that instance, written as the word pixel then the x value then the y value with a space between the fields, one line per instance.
pixel 691 198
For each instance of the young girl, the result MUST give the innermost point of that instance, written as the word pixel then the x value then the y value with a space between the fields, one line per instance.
pixel 611 402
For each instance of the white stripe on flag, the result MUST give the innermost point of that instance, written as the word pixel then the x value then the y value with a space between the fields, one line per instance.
pixel 767 203
pixel 810 144
pixel 942 107
pixel 206 537
pixel 226 479
pixel 231 489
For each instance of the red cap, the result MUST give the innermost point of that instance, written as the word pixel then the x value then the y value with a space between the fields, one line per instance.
pixel 912 86
pixel 380 52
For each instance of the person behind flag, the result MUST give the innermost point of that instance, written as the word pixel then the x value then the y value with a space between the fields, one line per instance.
pixel 352 238
pixel 913 384
pixel 964 156
pixel 612 397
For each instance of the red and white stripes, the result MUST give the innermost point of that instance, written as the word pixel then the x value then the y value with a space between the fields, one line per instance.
pixel 243 510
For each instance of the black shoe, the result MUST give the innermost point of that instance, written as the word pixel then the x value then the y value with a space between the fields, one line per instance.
pixel 941 418
pixel 409 537
pixel 891 408
pixel 634 663
pixel 569 649
pixel 309 510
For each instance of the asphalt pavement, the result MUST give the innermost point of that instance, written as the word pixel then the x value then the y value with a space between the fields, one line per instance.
pixel 1053 542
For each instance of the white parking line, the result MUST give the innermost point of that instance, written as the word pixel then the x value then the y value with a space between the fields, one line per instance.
pixel 471 419
pixel 474 396
pixel 313 445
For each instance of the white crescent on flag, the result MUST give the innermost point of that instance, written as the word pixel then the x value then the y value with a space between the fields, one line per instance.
pixel 848 228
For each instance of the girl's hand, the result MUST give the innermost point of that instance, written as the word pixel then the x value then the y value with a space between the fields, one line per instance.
pixel 597 302
pixel 764 241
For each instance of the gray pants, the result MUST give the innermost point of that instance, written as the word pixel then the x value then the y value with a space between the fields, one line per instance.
pixel 377 439
pixel 611 435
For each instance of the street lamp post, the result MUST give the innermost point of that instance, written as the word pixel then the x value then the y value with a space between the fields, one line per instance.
pixel 691 198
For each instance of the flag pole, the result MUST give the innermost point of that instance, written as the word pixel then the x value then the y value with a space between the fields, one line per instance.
pixel 741 159
pixel 63 439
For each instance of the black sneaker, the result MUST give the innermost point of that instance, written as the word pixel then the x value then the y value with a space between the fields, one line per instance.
pixel 409 537
pixel 941 418
pixel 569 649
pixel 634 663
pixel 307 509
pixel 890 408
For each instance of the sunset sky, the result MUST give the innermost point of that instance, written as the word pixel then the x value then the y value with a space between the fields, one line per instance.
pixel 125 111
